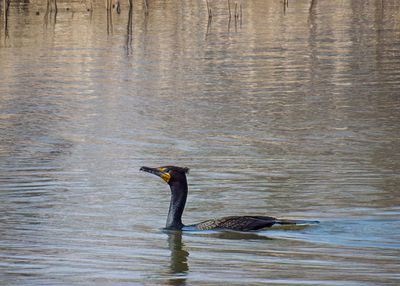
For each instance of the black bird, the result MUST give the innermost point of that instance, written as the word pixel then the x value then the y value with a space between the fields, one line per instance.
pixel 176 179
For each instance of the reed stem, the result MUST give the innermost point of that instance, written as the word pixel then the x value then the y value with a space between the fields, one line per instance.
pixel 146 7
pixel 209 9
pixel 236 10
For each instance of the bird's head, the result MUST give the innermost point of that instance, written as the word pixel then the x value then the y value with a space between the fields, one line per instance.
pixel 170 174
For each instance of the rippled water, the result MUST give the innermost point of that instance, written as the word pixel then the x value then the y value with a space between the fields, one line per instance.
pixel 290 112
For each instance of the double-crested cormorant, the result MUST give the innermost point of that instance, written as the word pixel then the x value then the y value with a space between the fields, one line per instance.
pixel 176 179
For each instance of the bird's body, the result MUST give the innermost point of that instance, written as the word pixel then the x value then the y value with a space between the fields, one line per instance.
pixel 240 223
pixel 176 178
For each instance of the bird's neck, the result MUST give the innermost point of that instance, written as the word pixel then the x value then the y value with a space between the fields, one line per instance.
pixel 179 192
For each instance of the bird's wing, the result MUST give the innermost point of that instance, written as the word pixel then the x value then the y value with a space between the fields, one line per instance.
pixel 239 223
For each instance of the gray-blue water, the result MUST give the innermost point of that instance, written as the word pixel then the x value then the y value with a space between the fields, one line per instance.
pixel 289 112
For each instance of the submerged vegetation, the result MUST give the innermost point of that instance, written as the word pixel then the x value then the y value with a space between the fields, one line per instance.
pixel 231 10
pixel 50 8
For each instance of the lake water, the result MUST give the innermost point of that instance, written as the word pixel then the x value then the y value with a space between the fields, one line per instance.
pixel 292 112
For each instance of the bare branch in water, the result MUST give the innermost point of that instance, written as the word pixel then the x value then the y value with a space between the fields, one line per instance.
pixel 146 7
pixel 209 9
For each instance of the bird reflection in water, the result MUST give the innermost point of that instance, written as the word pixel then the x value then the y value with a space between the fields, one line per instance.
pixel 179 263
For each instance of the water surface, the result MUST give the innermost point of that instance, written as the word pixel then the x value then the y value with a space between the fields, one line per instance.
pixel 290 112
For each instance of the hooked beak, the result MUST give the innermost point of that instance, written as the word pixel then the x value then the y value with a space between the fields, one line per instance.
pixel 158 172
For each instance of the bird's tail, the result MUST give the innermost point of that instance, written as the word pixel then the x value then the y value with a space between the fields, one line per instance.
pixel 295 222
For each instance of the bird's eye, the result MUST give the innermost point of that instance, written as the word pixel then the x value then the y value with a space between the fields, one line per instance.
pixel 164 169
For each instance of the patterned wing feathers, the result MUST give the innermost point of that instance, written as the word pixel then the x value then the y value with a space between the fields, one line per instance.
pixel 239 223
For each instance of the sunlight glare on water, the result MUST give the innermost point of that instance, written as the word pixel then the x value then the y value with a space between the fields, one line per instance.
pixel 290 112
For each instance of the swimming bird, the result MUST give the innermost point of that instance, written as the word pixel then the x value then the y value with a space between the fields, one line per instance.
pixel 177 181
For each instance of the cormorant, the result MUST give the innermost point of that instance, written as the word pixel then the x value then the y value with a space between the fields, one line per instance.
pixel 176 179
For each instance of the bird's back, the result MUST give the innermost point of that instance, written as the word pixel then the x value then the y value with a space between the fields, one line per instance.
pixel 238 223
